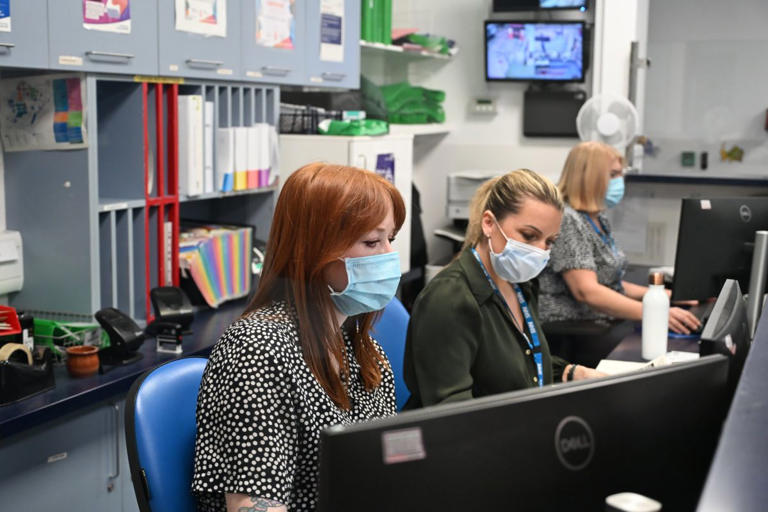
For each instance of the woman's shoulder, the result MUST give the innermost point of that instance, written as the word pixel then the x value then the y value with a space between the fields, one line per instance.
pixel 269 330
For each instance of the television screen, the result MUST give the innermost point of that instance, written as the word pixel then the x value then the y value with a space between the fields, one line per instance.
pixel 535 5
pixel 534 51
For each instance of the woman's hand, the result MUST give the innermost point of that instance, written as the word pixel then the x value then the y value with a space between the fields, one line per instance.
pixel 582 373
pixel 683 321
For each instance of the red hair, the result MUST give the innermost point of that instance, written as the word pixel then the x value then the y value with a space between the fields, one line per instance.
pixel 323 210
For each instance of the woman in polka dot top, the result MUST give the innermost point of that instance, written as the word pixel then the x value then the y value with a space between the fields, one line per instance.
pixel 300 358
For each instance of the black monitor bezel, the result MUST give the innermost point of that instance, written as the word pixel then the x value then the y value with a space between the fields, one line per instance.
pixel 582 8
pixel 536 22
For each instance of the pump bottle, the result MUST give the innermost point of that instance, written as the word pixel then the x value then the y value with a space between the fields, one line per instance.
pixel 655 318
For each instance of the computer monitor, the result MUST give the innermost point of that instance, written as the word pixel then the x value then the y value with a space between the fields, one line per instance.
pixel 714 243
pixel 534 51
pixel 562 447
pixel 726 330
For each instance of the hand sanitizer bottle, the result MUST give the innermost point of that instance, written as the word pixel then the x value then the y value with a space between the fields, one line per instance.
pixel 655 317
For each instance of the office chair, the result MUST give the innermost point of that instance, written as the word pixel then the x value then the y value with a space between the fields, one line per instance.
pixel 160 428
pixel 390 331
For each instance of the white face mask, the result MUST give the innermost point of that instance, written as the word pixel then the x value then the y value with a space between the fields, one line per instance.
pixel 517 262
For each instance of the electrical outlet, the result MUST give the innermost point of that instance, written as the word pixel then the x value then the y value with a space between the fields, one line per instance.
pixel 485 106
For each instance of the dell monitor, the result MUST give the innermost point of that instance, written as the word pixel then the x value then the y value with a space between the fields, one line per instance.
pixel 534 51
pixel 726 330
pixel 714 243
pixel 561 447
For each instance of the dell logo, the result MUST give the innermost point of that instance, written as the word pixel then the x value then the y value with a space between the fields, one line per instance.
pixel 745 214
pixel 574 443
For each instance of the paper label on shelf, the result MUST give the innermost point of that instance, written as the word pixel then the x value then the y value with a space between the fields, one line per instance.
pixel 5 15
pixel 158 79
pixel 274 22
pixel 70 60
pixel 43 112
pixel 206 17
pixel 253 74
pixel 332 30
pixel 57 457
pixel 107 15
pixel 224 71
pixel 316 79
pixel 173 67
pixel 385 166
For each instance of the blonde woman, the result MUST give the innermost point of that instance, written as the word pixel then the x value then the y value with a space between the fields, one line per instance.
pixel 474 329
pixel 583 288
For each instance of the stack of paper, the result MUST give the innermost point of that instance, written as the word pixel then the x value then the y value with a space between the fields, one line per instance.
pixel 191 143
pixel 217 258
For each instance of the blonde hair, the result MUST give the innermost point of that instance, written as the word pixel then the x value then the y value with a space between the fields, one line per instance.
pixel 584 180
pixel 503 195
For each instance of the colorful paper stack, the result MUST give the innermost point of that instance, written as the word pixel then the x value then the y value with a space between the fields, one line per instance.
pixel 217 258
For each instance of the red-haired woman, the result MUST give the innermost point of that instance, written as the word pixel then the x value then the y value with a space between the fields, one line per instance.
pixel 300 358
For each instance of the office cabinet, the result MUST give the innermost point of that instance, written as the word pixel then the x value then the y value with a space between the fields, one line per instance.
pixel 187 54
pixel 71 464
pixel 26 45
pixel 74 47
pixel 329 66
pixel 264 60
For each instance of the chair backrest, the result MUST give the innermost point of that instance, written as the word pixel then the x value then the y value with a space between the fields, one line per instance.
pixel 160 428
pixel 390 332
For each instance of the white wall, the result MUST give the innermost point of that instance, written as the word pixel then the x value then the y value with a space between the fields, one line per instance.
pixel 483 142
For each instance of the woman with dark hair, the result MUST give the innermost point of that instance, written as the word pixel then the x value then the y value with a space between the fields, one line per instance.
pixel 300 358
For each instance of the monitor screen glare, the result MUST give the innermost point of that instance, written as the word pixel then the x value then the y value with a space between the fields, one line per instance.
pixel 534 51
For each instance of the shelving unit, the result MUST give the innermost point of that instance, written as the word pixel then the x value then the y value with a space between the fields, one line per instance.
pixel 420 129
pixel 391 49
pixel 96 234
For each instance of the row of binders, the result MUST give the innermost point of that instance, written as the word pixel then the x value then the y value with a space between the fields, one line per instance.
pixel 217 258
pixel 213 159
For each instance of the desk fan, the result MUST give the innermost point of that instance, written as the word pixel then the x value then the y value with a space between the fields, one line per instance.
pixel 608 118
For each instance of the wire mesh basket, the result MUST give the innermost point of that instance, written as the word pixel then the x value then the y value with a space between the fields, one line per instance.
pixel 304 118
pixel 59 335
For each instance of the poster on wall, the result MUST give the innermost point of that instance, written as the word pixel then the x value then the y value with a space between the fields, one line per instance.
pixel 5 15
pixel 43 112
pixel 385 166
pixel 206 17
pixel 107 15
pixel 275 23
pixel 331 30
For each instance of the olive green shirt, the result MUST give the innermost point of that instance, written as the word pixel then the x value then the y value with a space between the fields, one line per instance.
pixel 462 342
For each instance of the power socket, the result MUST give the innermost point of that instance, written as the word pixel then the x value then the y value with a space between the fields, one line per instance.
pixel 484 106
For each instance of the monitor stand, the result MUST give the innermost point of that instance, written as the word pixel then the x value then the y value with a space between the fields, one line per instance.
pixel 757 281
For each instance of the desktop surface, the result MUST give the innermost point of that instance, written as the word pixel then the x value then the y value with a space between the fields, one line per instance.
pixel 560 447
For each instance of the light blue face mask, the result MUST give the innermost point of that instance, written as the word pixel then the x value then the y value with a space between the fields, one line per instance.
pixel 615 192
pixel 517 262
pixel 371 283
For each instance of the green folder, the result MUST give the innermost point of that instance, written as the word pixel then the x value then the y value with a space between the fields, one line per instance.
pixel 387 22
pixel 368 16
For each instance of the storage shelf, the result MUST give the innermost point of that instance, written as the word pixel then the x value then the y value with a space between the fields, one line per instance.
pixel 420 129
pixel 386 49
pixel 218 195
pixel 110 204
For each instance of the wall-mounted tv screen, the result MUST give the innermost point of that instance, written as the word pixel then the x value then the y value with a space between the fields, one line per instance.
pixel 534 51
pixel 535 5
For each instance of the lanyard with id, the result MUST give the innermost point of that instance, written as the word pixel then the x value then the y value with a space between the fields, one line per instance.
pixel 535 346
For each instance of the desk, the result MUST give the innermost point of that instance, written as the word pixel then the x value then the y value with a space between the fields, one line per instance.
pixel 71 395
pixel 630 348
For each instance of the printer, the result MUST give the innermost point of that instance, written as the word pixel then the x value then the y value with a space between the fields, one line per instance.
pixel 461 187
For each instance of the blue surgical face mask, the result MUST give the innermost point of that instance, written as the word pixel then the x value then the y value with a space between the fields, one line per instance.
pixel 371 283
pixel 517 262
pixel 615 192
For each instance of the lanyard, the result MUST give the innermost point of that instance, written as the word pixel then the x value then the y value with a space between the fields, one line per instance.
pixel 535 346
pixel 608 240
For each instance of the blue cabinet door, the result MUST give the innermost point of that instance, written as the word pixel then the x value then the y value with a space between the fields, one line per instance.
pixel 328 63
pixel 121 48
pixel 26 44
pixel 195 55
pixel 273 41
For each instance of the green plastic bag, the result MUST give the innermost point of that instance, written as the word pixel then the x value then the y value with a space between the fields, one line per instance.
pixel 354 128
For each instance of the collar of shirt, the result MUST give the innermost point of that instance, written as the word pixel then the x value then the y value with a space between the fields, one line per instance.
pixel 479 285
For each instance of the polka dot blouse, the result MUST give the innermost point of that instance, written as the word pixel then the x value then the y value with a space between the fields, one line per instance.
pixel 260 412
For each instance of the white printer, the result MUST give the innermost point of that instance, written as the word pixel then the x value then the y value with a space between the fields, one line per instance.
pixel 461 187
